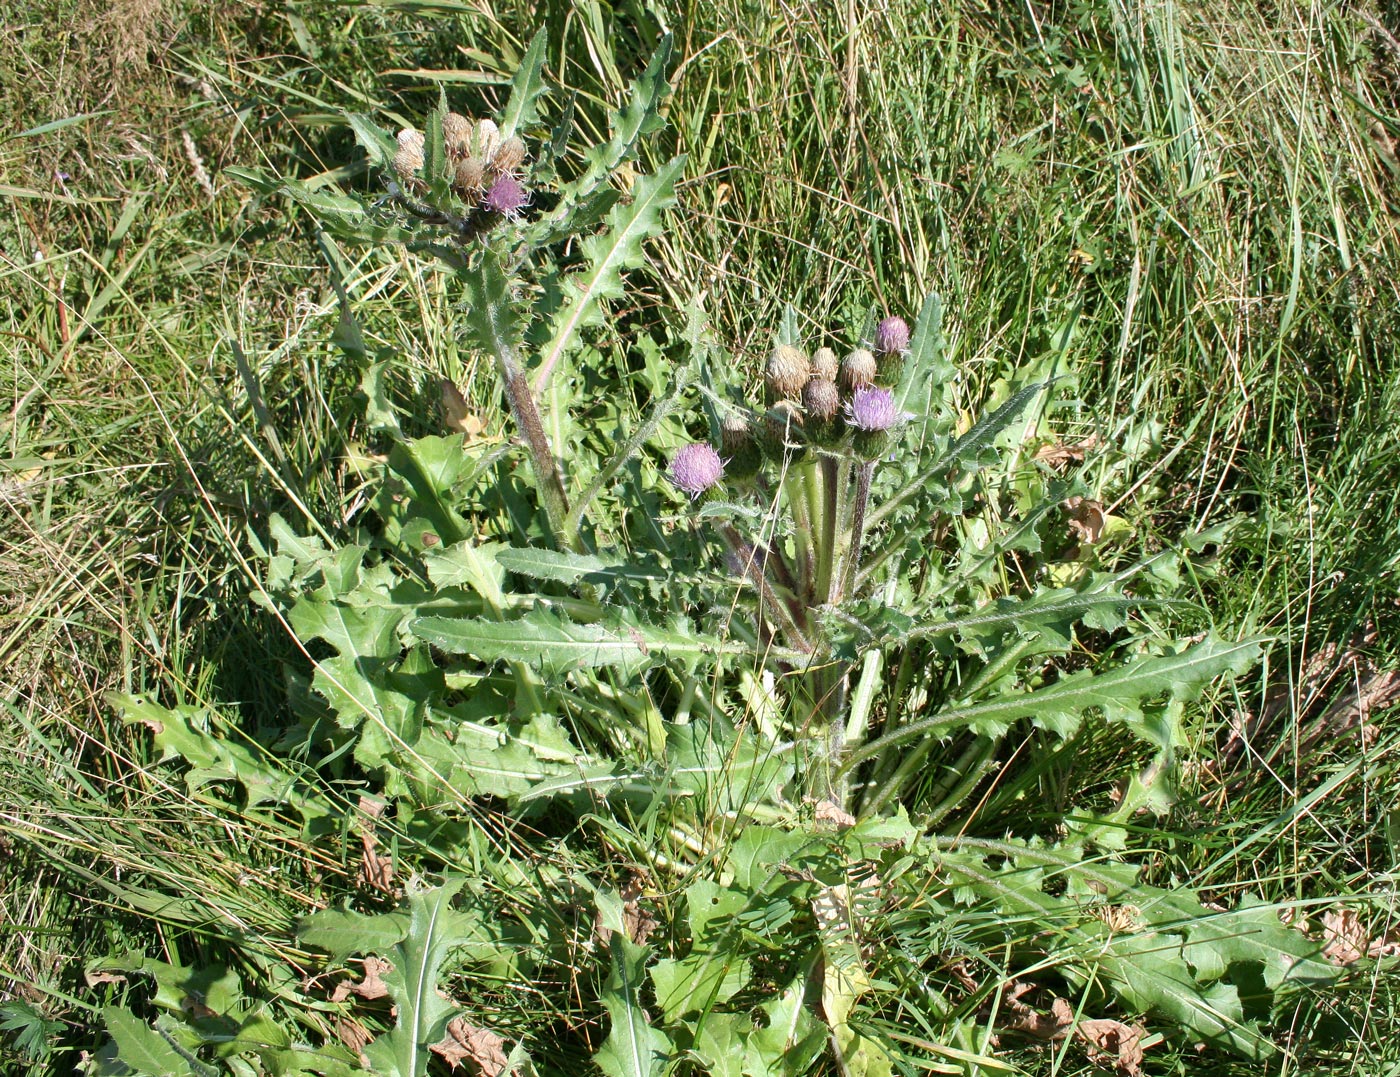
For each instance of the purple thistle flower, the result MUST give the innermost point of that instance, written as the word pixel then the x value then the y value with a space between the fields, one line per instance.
pixel 695 468
pixel 872 409
pixel 892 335
pixel 505 197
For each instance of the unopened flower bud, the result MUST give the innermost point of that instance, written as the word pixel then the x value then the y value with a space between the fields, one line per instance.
pixel 696 468
pixel 787 373
pixel 488 140
pixel 409 158
pixel 509 156
pixel 858 370
pixel 468 176
pixel 506 197
pixel 739 447
pixel 824 364
pixel 820 399
pixel 892 336
pixel 456 135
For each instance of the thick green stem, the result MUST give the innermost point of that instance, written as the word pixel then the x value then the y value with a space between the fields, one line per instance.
pixel 798 492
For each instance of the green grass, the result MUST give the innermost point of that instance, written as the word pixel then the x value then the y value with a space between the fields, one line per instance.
pixel 1193 209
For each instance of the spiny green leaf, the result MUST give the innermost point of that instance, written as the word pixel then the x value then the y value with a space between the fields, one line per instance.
pixel 790 1041
pixel 557 646
pixel 145 1050
pixel 634 1048
pixel 1060 705
pixel 565 567
pixel 379 144
pixel 962 451
pixel 342 932
pixel 416 942
pixel 711 972
pixel 641 116
pixel 515 765
pixel 616 248
pixel 926 367
pixel 185 733
pixel 525 87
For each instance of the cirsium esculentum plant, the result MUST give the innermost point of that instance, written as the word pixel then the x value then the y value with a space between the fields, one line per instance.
pixel 819 622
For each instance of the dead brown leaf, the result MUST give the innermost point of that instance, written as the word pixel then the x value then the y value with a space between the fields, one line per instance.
pixel 1297 695
pixel 1043 1026
pixel 639 920
pixel 95 978
pixel 353 1034
pixel 1086 518
pixel 481 1049
pixel 1113 1043
pixel 831 812
pixel 1063 453
pixel 1346 940
pixel 376 872
pixel 457 416
pixel 371 987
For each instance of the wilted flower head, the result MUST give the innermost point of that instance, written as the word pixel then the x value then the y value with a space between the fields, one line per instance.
pixel 892 335
pixel 468 175
pixel 858 370
pixel 456 134
pixel 409 158
pixel 695 468
pixel 488 139
pixel 824 364
pixel 872 409
pixel 788 371
pixel 509 155
pixel 821 399
pixel 506 197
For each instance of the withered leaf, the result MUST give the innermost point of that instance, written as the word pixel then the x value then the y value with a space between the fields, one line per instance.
pixel 1114 1043
pixel 482 1050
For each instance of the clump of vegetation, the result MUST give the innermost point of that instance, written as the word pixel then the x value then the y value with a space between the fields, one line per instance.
pixel 847 716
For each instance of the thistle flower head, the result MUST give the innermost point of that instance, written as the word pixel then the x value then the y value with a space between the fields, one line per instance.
pixel 892 335
pixel 695 468
pixel 509 156
pixel 740 448
pixel 488 139
pixel 872 409
pixel 824 364
pixel 788 371
pixel 409 158
pixel 821 399
pixel 456 134
pixel 468 175
pixel 858 370
pixel 506 197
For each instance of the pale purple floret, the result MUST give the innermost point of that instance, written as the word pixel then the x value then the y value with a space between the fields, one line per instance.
pixel 892 335
pixel 695 468
pixel 505 197
pixel 872 409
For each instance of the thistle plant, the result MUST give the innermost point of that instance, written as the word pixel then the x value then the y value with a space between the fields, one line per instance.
pixel 815 620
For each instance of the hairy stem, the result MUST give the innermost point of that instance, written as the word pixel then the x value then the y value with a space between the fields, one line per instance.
pixel 751 561
pixel 863 480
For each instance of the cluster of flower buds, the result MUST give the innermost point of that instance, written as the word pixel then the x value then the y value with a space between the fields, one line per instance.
pixel 811 392
pixel 817 400
pixel 485 168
